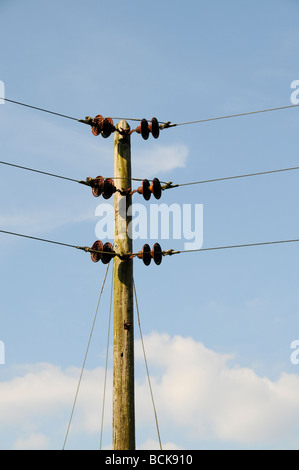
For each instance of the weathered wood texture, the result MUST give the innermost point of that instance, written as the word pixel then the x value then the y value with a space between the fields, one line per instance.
pixel 123 342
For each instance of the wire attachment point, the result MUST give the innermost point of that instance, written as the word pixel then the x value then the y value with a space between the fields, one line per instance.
pixel 88 120
pixel 169 185
pixel 99 125
pixel 167 125
pixel 170 252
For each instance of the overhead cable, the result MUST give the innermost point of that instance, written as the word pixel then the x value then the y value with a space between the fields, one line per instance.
pixel 157 249
pixel 39 109
pixel 234 115
pixel 238 176
pixel 163 124
pixel 168 185
pixel 55 113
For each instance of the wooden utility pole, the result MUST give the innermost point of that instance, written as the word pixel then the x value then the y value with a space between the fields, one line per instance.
pixel 123 342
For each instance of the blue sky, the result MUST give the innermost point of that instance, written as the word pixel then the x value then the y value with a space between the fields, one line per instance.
pixel 217 325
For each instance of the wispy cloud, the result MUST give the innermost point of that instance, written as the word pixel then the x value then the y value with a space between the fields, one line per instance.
pixel 40 223
pixel 32 442
pixel 158 159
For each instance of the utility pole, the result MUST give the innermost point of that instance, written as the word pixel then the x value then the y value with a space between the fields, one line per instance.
pixel 123 341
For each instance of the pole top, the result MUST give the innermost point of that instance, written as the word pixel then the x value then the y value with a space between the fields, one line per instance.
pixel 123 128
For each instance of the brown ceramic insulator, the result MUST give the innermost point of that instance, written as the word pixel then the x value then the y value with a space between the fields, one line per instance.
pixel 155 188
pixel 97 246
pixel 108 253
pixel 97 125
pixel 145 254
pixel 157 253
pixel 143 129
pixel 154 128
pixel 144 190
pixel 108 127
pixel 97 186
pixel 109 188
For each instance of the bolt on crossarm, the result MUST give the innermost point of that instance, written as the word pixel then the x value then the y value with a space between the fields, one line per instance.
pixel 123 342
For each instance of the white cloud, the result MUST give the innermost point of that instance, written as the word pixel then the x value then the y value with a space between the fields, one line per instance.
pixel 151 444
pixel 158 158
pixel 43 141
pixel 198 395
pixel 45 393
pixel 199 392
pixel 41 221
pixel 32 442
pixel 74 152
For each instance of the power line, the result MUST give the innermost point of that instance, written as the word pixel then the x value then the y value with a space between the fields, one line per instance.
pixel 234 115
pixel 39 109
pixel 164 124
pixel 239 176
pixel 52 174
pixel 173 252
pixel 125 256
pixel 38 171
pixel 58 114
pixel 84 248
pixel 39 239
pixel 168 185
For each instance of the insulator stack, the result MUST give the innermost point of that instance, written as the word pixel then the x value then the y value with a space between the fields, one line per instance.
pixel 145 128
pixel 108 128
pixel 147 254
pixel 108 253
pixel 97 186
pixel 109 188
pixel 146 189
pixel 155 188
pixel 104 126
pixel 100 252
pixel 102 187
pixel 97 125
